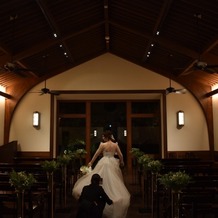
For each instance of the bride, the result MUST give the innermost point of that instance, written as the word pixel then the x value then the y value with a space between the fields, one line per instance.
pixel 108 167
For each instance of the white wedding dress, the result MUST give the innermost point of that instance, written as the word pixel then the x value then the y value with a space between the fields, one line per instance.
pixel 113 184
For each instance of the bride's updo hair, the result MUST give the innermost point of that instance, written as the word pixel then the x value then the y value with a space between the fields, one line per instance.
pixel 108 135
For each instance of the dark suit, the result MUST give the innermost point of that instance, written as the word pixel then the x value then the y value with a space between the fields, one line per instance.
pixel 92 202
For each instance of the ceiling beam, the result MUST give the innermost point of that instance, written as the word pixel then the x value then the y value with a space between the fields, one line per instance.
pixel 210 58
pixel 162 41
pixel 209 94
pixel 4 59
pixel 157 26
pixel 55 30
pixel 212 45
pixel 5 95
pixel 107 32
pixel 4 49
pixel 46 44
pixel 204 53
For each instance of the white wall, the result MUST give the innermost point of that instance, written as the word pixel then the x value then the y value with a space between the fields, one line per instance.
pixel 109 72
pixel 29 138
pixel 194 135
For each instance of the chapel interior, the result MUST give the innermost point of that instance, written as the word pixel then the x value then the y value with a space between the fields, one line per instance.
pixel 174 41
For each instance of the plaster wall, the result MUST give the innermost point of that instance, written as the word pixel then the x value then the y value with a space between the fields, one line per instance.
pixel 109 72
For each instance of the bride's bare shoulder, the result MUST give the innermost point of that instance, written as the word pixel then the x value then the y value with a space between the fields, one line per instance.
pixel 108 145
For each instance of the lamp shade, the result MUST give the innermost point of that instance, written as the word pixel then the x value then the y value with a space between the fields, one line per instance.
pixel 36 119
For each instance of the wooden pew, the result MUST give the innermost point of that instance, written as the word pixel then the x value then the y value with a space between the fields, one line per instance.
pixel 199 198
pixel 8 152
pixel 35 199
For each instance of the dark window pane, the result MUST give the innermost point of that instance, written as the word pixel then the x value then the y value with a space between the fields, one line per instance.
pixel 108 114
pixel 71 133
pixel 72 108
pixel 146 135
pixel 72 122
pixel 146 107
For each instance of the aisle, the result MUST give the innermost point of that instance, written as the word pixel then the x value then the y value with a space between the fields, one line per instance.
pixel 134 209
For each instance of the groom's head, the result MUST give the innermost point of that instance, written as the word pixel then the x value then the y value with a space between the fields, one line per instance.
pixel 96 179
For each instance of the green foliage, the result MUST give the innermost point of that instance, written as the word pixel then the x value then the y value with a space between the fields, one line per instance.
pixel 64 159
pixel 76 149
pixel 155 166
pixel 146 161
pixel 77 144
pixel 50 166
pixel 136 152
pixel 77 154
pixel 175 180
pixel 21 180
pixel 80 153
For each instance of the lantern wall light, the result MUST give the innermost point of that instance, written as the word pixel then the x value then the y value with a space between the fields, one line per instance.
pixel 36 119
pixel 95 133
pixel 180 119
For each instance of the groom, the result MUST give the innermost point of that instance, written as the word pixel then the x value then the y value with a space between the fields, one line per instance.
pixel 93 199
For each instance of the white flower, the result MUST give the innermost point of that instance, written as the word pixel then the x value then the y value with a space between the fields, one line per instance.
pixel 85 169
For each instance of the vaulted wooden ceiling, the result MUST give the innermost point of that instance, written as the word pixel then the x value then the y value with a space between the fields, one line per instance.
pixel 188 31
pixel 85 29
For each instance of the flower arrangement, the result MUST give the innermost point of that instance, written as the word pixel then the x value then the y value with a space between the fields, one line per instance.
pixel 80 153
pixel 136 152
pixel 77 154
pixel 154 166
pixel 175 180
pixel 85 169
pixel 50 166
pixel 76 144
pixel 64 159
pixel 144 160
pixel 21 180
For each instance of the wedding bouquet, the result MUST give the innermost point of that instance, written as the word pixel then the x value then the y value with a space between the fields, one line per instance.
pixel 85 169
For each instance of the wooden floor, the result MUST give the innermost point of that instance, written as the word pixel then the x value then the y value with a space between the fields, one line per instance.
pixel 136 209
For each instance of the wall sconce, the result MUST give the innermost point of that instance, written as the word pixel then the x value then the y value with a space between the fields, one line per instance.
pixel 124 132
pixel 95 133
pixel 36 119
pixel 180 119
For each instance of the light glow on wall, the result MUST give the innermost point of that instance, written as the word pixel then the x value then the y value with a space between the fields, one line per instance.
pixel 214 88
pixel 2 89
pixel 2 115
